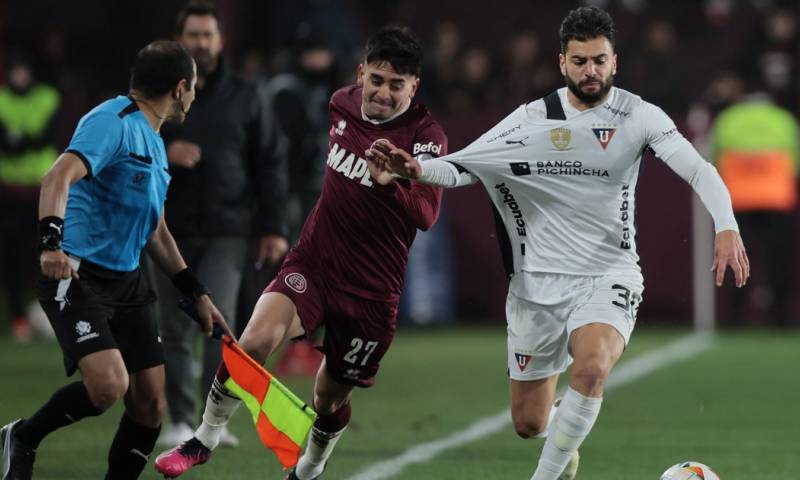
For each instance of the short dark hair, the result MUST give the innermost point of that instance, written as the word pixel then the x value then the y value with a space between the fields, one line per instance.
pixel 159 67
pixel 398 47
pixel 586 23
pixel 195 7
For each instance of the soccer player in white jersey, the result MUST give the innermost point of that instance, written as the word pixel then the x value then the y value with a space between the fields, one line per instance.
pixel 562 173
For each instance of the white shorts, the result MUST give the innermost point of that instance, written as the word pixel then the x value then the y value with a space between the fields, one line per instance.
pixel 543 309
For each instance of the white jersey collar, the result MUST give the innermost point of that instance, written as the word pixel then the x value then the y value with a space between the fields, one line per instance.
pixel 571 111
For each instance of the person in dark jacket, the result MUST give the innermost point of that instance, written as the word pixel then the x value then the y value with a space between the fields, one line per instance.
pixel 300 100
pixel 229 169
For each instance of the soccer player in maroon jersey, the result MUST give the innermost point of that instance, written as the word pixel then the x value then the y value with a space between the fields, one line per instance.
pixel 346 271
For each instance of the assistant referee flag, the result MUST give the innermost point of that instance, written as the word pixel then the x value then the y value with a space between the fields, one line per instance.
pixel 282 419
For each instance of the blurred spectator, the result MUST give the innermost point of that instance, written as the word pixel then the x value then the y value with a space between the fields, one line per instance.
pixel 441 66
pixel 658 69
pixel 300 100
pixel 755 147
pixel 724 91
pixel 252 67
pixel 228 184
pixel 27 150
pixel 527 76
pixel 477 75
pixel 776 57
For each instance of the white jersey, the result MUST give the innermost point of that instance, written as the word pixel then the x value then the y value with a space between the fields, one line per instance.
pixel 566 189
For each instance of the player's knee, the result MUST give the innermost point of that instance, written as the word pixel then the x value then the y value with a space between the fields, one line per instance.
pixel 106 392
pixel 529 427
pixel 148 410
pixel 591 376
pixel 256 347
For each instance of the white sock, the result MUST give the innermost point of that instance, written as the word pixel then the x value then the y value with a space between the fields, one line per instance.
pixel 573 422
pixel 550 418
pixel 221 404
pixel 319 449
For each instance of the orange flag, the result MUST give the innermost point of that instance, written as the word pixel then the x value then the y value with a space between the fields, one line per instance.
pixel 282 420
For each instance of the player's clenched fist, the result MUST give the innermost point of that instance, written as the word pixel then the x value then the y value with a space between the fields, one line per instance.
pixel 55 264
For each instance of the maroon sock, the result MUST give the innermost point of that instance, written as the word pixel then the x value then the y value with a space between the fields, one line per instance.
pixel 222 374
pixel 218 386
pixel 335 421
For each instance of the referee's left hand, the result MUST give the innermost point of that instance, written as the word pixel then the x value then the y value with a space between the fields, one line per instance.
pixel 729 252
pixel 209 314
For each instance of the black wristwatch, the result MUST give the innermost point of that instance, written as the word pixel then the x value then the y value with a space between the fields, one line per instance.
pixel 49 243
pixel 51 231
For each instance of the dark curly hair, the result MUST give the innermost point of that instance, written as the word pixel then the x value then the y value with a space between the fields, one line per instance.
pixel 587 23
pixel 398 47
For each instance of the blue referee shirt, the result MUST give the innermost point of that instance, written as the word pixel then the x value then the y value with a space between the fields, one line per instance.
pixel 112 212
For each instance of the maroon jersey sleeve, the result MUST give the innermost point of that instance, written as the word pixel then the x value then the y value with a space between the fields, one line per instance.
pixel 422 202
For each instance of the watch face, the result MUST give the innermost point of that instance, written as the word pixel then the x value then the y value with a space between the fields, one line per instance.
pixel 50 242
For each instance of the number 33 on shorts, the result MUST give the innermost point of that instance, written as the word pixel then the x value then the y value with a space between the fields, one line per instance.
pixel 626 299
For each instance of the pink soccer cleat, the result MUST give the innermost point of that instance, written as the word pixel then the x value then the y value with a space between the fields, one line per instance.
pixel 174 463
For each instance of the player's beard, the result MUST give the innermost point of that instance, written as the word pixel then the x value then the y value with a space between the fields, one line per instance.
pixel 590 98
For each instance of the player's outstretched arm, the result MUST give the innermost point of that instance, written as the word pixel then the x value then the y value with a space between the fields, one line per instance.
pixel 386 156
pixel 729 251
pixel 436 171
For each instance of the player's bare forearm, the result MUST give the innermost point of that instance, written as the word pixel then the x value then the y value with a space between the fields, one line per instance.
pixel 164 251
pixel 54 190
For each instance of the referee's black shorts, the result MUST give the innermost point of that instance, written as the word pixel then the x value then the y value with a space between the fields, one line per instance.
pixel 102 310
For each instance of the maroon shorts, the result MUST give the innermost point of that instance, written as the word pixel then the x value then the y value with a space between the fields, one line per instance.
pixel 358 331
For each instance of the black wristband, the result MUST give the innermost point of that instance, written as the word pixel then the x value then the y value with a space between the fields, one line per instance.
pixel 188 284
pixel 51 233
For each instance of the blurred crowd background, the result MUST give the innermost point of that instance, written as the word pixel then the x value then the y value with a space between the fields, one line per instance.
pixel 693 58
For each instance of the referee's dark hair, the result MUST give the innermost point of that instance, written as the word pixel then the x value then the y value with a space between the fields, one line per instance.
pixel 587 23
pixel 195 7
pixel 398 47
pixel 159 67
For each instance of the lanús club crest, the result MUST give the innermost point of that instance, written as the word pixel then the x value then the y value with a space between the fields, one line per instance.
pixel 296 282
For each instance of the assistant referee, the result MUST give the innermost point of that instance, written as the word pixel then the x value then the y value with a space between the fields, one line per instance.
pixel 100 204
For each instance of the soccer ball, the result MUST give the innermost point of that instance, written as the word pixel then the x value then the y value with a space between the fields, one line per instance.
pixel 689 471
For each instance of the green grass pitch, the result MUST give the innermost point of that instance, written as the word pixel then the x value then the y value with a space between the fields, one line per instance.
pixel 733 407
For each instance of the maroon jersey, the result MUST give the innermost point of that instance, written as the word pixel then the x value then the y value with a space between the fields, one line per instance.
pixel 358 235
